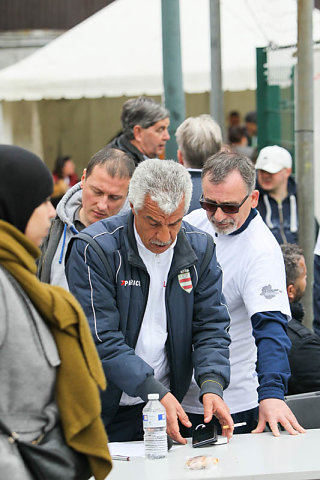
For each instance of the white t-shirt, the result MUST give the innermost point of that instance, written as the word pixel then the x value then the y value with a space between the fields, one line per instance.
pixel 253 281
pixel 153 333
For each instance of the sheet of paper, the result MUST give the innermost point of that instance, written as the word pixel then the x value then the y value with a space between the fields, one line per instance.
pixel 130 449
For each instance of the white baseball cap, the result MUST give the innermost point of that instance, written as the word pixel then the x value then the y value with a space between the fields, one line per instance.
pixel 273 159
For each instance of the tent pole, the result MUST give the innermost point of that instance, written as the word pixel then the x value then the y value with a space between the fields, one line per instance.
pixel 216 94
pixel 304 146
pixel 172 71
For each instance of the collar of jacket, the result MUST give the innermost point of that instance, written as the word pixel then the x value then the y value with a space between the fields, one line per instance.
pixel 252 214
pixel 297 311
pixel 184 255
pixel 124 144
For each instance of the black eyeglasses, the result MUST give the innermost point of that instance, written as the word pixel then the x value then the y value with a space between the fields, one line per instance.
pixel 225 207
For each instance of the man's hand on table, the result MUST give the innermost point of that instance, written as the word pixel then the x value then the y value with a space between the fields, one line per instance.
pixel 274 411
pixel 174 412
pixel 214 405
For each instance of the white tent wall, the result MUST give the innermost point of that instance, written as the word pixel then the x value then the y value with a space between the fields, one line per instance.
pixel 118 51
pixel 21 125
pixel 68 127
pixel 81 127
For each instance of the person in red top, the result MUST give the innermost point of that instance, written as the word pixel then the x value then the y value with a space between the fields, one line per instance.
pixel 64 177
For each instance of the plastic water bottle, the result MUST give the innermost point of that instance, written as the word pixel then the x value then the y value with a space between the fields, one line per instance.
pixel 155 428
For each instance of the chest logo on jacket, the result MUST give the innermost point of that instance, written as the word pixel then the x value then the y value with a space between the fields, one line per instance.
pixel 130 283
pixel 185 282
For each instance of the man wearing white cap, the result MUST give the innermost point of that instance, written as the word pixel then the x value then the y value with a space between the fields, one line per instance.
pixel 277 201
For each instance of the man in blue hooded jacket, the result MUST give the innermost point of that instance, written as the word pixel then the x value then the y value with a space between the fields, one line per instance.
pixel 101 193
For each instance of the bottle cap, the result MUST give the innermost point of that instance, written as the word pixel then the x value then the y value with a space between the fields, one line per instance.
pixel 153 396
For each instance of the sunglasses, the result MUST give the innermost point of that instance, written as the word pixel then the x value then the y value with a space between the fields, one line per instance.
pixel 225 207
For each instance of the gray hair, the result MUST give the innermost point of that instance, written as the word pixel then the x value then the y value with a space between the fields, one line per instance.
pixel 218 167
pixel 141 111
pixel 117 162
pixel 292 254
pixel 198 138
pixel 165 181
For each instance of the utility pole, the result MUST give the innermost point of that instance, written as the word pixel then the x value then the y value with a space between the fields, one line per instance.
pixel 216 94
pixel 172 71
pixel 304 146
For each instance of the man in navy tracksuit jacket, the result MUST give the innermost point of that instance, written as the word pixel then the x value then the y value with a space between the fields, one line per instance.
pixel 159 273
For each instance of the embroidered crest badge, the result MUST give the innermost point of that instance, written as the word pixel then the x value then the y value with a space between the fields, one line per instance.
pixel 184 278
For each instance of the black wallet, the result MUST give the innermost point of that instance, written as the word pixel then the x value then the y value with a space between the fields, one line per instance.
pixel 204 435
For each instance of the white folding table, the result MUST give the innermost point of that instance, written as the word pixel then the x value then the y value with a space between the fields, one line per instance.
pixel 250 456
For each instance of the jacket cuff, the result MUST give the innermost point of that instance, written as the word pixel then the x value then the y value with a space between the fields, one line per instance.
pixel 211 384
pixel 268 392
pixel 151 385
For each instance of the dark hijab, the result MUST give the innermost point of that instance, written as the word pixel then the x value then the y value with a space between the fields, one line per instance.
pixel 25 183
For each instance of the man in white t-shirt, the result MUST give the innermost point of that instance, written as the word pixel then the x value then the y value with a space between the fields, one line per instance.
pixel 254 286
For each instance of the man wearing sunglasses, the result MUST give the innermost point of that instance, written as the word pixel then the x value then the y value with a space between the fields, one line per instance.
pixel 254 286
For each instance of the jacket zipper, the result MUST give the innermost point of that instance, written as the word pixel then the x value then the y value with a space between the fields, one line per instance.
pixel 145 297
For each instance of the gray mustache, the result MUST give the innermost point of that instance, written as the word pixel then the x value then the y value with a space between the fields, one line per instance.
pixel 162 244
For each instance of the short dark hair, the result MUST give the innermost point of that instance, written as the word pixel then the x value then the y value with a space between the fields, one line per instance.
pixel 218 167
pixel 292 254
pixel 141 111
pixel 236 134
pixel 251 117
pixel 117 162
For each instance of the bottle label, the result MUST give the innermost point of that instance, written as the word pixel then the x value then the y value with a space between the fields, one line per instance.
pixel 155 444
pixel 154 420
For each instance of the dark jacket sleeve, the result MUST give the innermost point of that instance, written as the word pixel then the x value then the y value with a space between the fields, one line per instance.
pixel 96 292
pixel 211 338
pixel 304 359
pixel 273 344
pixel 316 295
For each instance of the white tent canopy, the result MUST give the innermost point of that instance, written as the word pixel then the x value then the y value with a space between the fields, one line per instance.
pixel 118 51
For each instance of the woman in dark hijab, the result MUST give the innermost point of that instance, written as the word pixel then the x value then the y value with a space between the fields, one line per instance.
pixel 45 342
